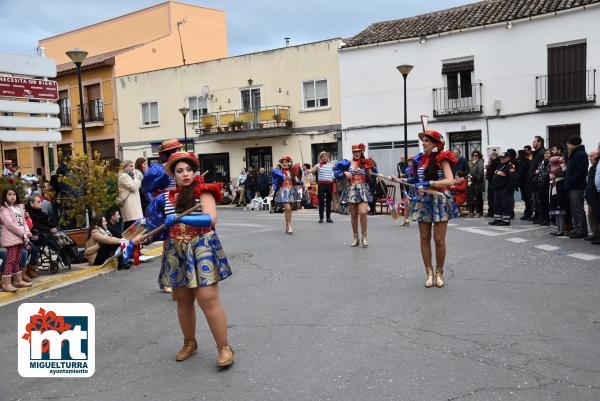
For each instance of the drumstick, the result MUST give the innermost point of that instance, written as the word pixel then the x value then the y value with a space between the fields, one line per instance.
pixel 427 190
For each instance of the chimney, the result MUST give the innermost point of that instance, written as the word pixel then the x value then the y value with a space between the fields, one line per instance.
pixel 287 42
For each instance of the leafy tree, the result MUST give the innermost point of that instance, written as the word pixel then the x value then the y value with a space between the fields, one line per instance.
pixel 88 186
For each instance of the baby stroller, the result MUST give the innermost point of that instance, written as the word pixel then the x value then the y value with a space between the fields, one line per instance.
pixel 51 256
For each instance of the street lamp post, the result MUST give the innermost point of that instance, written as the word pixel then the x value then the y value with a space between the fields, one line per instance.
pixel 184 110
pixel 405 69
pixel 77 56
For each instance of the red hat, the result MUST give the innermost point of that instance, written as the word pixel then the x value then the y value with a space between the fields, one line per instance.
pixel 434 136
pixel 360 146
pixel 179 156
pixel 285 157
pixel 170 144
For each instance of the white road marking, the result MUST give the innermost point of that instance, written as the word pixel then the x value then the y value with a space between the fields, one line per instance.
pixel 517 240
pixel 452 225
pixel 545 247
pixel 583 256
pixel 493 231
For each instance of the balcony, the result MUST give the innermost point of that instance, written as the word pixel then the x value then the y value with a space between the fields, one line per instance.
pixel 568 89
pixel 458 100
pixel 93 112
pixel 65 118
pixel 267 117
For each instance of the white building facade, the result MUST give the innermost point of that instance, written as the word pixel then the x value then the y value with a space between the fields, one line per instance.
pixel 483 87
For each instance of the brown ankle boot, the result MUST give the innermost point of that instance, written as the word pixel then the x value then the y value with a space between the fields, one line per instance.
pixel 429 281
pixel 32 271
pixel 18 280
pixel 439 277
pixel 7 284
pixel 189 348
pixel 225 357
pixel 24 276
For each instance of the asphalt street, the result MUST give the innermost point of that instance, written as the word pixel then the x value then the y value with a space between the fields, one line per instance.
pixel 313 319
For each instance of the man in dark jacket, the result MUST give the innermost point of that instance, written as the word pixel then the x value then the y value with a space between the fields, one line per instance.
pixel 523 166
pixel 490 169
pixel 503 181
pixel 537 157
pixel 250 184
pixel 263 182
pixel 461 163
pixel 575 183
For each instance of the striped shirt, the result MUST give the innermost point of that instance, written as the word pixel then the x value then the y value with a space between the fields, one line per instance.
pixel 170 208
pixel 324 172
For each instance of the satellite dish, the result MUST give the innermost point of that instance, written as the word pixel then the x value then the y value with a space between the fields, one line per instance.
pixel 205 91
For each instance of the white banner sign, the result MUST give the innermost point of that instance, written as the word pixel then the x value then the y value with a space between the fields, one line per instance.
pixel 30 136
pixel 6 106
pixel 35 66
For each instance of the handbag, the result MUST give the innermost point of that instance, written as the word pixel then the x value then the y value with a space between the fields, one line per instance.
pixel 120 203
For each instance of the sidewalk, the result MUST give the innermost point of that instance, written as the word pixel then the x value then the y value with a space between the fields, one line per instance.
pixel 47 281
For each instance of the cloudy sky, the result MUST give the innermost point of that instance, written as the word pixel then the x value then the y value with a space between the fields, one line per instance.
pixel 253 25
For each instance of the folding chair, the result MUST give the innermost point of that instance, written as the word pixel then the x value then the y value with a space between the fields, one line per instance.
pixel 267 203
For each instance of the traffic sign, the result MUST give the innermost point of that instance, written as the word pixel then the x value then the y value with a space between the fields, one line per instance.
pixel 28 88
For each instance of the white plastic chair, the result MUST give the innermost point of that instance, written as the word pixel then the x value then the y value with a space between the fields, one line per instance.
pixel 267 202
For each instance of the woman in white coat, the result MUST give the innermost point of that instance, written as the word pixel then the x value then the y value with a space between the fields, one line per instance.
pixel 129 195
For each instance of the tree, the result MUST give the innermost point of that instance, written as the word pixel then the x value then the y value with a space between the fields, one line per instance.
pixel 89 185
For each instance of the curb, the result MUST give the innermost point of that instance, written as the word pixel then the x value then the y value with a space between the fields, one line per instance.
pixel 54 282
pixel 67 278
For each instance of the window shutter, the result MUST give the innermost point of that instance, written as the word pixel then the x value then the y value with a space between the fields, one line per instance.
pixel 93 92
pixel 450 68
pixel 309 90
pixel 154 113
pixel 321 89
pixel 145 114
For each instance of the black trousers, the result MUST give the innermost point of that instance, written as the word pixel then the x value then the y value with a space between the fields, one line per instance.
pixel 490 199
pixel 503 204
pixel 105 252
pixel 526 197
pixel 325 194
pixel 544 201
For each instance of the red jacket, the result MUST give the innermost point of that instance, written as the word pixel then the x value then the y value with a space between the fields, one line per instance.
pixel 459 191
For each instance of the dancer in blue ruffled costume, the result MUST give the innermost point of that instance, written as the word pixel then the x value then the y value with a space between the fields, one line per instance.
pixel 357 195
pixel 284 180
pixel 194 261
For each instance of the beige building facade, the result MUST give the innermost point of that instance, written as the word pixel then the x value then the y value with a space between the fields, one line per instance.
pixel 244 110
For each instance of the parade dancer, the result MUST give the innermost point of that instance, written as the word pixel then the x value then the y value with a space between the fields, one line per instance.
pixel 156 180
pixel 357 195
pixel 284 180
pixel 194 261
pixel 433 204
pixel 324 172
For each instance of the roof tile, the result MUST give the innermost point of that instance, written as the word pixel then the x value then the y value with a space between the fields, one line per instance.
pixel 468 16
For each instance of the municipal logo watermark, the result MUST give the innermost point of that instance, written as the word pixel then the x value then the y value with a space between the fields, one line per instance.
pixel 56 340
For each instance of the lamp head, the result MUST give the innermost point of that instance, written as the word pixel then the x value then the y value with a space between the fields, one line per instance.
pixel 77 55
pixel 405 69
pixel 184 111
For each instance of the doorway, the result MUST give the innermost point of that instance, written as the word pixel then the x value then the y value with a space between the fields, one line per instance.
pixel 330 148
pixel 260 157
pixel 560 134
pixel 217 165
pixel 39 161
pixel 465 142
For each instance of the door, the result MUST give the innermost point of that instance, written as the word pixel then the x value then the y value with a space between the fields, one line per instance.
pixel 39 162
pixel 251 102
pixel 217 165
pixel 260 157
pixel 560 134
pixel 465 142
pixel 330 148
pixel 106 148
pixel 566 74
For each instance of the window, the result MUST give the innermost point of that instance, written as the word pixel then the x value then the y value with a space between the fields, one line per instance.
pixel 149 113
pixel 155 147
pixel 106 148
pixel 458 79
pixel 11 154
pixel 198 107
pixel 64 106
pixel 315 94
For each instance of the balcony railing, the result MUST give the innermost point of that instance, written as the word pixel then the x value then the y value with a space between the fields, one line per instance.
pixel 65 117
pixel 565 89
pixel 464 99
pixel 276 116
pixel 93 111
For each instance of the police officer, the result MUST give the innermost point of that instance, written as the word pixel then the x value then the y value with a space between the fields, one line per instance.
pixel 503 183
